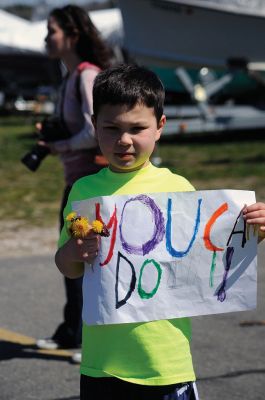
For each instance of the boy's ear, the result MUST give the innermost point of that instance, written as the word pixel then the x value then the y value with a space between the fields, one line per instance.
pixel 160 126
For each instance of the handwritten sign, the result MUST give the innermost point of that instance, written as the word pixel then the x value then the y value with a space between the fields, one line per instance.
pixel 170 255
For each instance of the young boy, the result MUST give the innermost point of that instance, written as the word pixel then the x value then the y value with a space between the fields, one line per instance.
pixel 136 361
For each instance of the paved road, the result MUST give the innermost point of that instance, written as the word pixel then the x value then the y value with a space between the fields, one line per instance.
pixel 229 359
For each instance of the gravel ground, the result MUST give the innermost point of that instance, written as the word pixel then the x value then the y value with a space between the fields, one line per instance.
pixel 228 359
pixel 19 241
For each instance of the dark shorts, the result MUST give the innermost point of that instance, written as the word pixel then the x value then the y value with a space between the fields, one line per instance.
pixel 117 389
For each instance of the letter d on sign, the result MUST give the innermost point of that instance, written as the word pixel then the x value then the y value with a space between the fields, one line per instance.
pixel 120 303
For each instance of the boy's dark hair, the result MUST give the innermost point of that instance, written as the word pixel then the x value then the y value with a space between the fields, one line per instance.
pixel 128 85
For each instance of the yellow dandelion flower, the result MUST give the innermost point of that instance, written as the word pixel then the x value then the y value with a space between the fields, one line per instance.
pixel 97 226
pixel 71 216
pixel 80 227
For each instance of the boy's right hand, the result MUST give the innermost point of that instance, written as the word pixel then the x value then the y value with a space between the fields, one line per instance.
pixel 70 258
pixel 83 250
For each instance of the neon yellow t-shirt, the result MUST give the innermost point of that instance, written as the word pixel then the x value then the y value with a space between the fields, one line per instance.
pixel 147 353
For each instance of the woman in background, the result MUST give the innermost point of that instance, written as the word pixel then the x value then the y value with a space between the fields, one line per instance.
pixel 74 40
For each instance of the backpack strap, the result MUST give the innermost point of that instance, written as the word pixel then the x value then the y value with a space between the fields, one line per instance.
pixel 86 65
pixel 99 160
pixel 82 67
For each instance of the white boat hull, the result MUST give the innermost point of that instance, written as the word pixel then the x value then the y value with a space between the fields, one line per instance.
pixel 170 33
pixel 188 120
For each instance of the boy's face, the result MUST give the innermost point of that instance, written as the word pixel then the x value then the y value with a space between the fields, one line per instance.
pixel 127 137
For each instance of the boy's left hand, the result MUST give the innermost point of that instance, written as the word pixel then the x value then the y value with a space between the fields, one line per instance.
pixel 255 215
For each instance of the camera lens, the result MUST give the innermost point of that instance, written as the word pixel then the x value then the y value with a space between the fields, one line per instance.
pixel 33 159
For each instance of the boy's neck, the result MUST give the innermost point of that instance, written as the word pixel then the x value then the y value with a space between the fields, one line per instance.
pixel 127 171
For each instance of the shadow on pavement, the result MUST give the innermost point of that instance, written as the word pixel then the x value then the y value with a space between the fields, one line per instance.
pixel 11 350
pixel 233 374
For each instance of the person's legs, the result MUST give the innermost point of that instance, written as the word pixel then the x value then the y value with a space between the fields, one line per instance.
pixel 116 389
pixel 180 391
pixel 68 334
pixel 95 388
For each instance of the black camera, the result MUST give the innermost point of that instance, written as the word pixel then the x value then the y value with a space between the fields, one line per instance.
pixel 52 130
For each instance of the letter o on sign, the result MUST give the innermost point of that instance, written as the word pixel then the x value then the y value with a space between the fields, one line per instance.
pixel 142 293
pixel 159 227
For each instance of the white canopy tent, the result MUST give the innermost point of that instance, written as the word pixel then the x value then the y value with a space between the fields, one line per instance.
pixel 17 33
pixel 26 69
pixel 13 31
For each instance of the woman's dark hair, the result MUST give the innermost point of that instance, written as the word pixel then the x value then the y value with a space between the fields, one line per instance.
pixel 128 85
pixel 73 20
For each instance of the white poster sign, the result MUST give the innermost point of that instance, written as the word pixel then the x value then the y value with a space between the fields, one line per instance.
pixel 170 255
